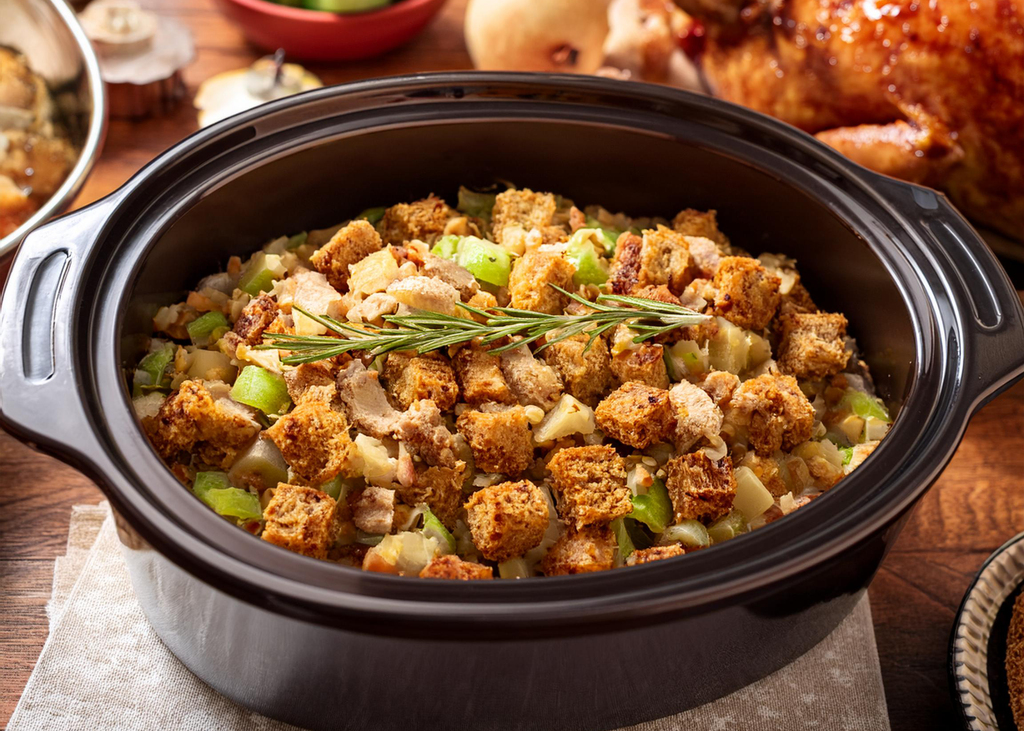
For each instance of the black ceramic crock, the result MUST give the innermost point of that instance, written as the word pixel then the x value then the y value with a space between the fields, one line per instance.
pixel 326 646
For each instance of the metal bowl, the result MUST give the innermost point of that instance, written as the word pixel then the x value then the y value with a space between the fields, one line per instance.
pixel 48 34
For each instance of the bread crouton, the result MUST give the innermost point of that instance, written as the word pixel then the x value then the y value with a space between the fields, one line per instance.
pixel 312 381
pixel 747 293
pixel 313 439
pixel 529 285
pixel 654 553
pixel 720 385
pixel 664 259
pixel 453 567
pixel 690 222
pixel 423 430
pixel 507 520
pixel 625 269
pixel 349 245
pixel 300 519
pixel 777 413
pixel 591 482
pixel 423 220
pixel 581 552
pixel 658 293
pixel 411 378
pixel 637 414
pixel 586 372
pixel 479 377
pixel 644 364
pixel 499 437
pixel 697 416
pixel 532 382
pixel 699 487
pixel 440 489
pixel 255 318
pixel 374 510
pixel 812 345
pixel 203 417
pixel 521 208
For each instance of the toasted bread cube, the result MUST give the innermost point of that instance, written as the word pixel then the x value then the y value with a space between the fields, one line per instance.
pixel 658 293
pixel 748 294
pixel 423 220
pixel 690 222
pixel 699 487
pixel 499 437
pixel 313 438
pixel 300 519
pixel 586 372
pixel 654 553
pixel 697 416
pixel 532 382
pixel 374 510
pixel 479 377
pixel 625 270
pixel 440 488
pixel 256 317
pixel 664 259
pixel 644 363
pixel 411 378
pixel 720 386
pixel 453 567
pixel 529 285
pixel 348 246
pixel 812 345
pixel 581 552
pixel 778 414
pixel 592 484
pixel 312 381
pixel 507 520
pixel 637 414
pixel 521 208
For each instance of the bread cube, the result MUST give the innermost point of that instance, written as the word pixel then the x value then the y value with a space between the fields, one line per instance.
pixel 300 519
pixel 507 520
pixel 700 489
pixel 591 482
pixel 637 414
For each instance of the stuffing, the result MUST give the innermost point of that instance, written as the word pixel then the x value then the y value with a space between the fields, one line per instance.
pixel 499 437
pixel 655 553
pixel 776 411
pixel 637 414
pixel 313 438
pixel 720 385
pixel 699 487
pixel 664 259
pixel 625 269
pixel 658 293
pixel 374 510
pixel 747 294
pixel 411 378
pixel 453 567
pixel 584 371
pixel 346 247
pixel 300 519
pixel 532 382
pixel 697 416
pixel 373 308
pixel 530 280
pixel 860 453
pixel 452 274
pixel 766 469
pixel 255 318
pixel 644 363
pixel 479 376
pixel 422 429
pixel 314 381
pixel 705 256
pixel 523 209
pixel 365 401
pixel 591 482
pixel 581 552
pixel 689 222
pixel 309 290
pixel 425 293
pixel 812 345
pixel 507 520
pixel 423 220
pixel 440 489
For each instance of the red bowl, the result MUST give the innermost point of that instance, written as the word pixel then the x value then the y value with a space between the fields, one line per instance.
pixel 313 35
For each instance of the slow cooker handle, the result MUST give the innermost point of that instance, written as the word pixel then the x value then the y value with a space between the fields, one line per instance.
pixel 40 397
pixel 990 308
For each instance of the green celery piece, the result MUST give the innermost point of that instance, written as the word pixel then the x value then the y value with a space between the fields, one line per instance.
pixel 333 488
pixel 653 509
pixel 485 260
pixel 591 267
pixel 434 528
pixel 373 215
pixel 256 278
pixel 847 454
pixel 727 527
pixel 609 235
pixel 478 205
pixel 622 537
pixel 214 490
pixel 864 406
pixel 261 389
pixel 297 240
pixel 153 366
pixel 447 247
pixel 203 327
pixel 206 481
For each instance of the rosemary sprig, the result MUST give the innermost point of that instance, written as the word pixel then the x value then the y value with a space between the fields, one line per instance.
pixel 426 331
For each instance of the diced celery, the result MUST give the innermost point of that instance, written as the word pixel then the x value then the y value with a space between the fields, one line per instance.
pixel 847 453
pixel 368 539
pixel 152 369
pixel 258 276
pixel 691 533
pixel 434 528
pixel 726 527
pixel 214 489
pixel 333 488
pixel 447 247
pixel 476 204
pixel 260 465
pixel 653 509
pixel 203 328
pixel 684 359
pixel 373 215
pixel 609 235
pixel 297 240
pixel 591 267
pixel 261 389
pixel 622 538
pixel 752 497
pixel 514 568
pixel 864 406
pixel 485 260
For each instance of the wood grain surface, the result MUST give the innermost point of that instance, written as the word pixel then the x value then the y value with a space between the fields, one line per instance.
pixel 976 505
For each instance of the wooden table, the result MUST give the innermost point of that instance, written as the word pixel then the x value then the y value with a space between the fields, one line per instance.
pixel 976 505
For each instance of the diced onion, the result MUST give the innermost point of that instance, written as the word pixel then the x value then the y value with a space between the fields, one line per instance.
pixel 752 497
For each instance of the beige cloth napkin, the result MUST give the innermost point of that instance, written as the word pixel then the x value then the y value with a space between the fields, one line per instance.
pixel 103 667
